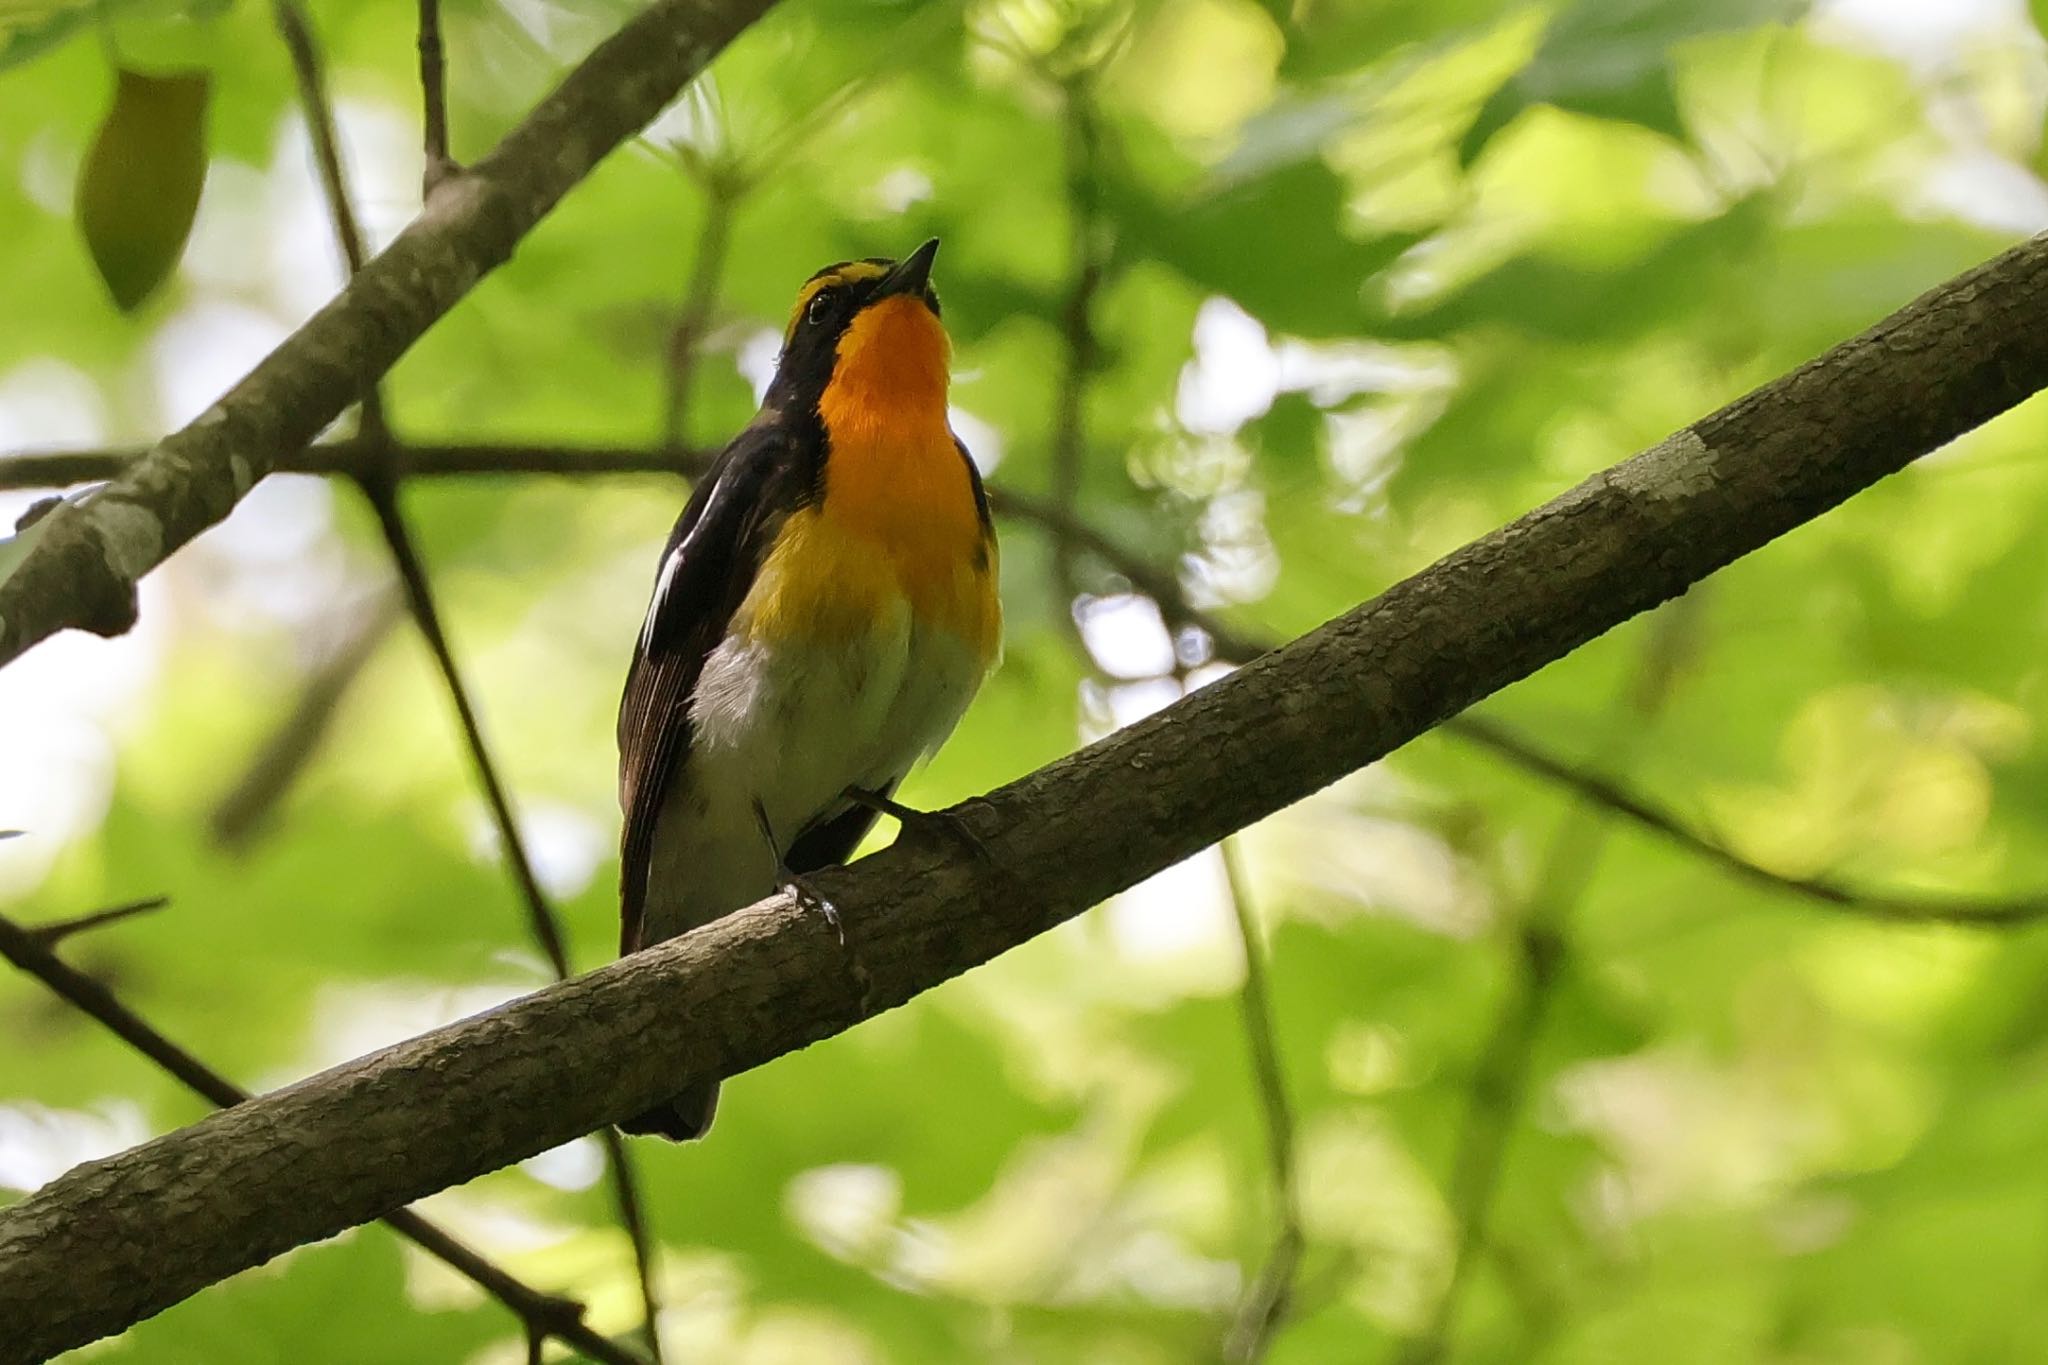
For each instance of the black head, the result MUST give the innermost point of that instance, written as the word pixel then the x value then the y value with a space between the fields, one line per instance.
pixel 826 307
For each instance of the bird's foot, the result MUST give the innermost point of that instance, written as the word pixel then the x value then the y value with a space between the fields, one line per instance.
pixel 808 897
pixel 929 825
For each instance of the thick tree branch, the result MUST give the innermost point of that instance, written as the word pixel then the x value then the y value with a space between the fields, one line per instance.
pixel 540 1313
pixel 56 469
pixel 82 573
pixel 115 1240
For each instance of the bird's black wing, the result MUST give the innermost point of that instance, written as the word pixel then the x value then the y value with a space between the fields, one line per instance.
pixel 833 842
pixel 711 560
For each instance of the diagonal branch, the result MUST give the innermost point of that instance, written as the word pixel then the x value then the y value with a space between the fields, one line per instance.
pixel 380 486
pixel 83 570
pixel 542 1314
pixel 1984 911
pixel 242 1185
pixel 321 128
pixel 50 469
pixel 542 922
pixel 245 805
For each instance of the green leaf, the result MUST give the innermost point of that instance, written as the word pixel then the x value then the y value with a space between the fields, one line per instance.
pixel 28 31
pixel 31 28
pixel 1276 243
pixel 1611 59
pixel 139 189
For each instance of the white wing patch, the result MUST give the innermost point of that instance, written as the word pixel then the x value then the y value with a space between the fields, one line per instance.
pixel 670 565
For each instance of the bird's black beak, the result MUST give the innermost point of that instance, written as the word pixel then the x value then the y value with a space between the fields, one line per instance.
pixel 912 274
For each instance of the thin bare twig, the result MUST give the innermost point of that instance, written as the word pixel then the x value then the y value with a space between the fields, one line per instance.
pixel 437 165
pixel 325 133
pixel 1264 1309
pixel 722 193
pixel 55 932
pixel 541 920
pixel 379 484
pixel 321 127
pixel 1989 912
pixel 247 804
pixel 1087 263
pixel 541 1314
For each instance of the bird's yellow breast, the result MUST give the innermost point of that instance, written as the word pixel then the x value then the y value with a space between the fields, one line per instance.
pixel 898 521
pixel 833 575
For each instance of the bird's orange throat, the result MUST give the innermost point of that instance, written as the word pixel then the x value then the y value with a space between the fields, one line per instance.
pixel 893 471
pixel 894 480
pixel 889 385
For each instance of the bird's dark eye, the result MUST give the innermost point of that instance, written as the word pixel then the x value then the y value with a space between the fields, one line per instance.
pixel 822 304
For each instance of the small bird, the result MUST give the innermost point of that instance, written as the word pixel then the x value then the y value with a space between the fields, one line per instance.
pixel 825 609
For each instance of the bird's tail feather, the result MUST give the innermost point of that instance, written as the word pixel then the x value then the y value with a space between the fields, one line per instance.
pixel 685 1118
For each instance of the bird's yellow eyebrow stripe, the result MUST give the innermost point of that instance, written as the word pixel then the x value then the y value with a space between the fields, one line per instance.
pixel 853 272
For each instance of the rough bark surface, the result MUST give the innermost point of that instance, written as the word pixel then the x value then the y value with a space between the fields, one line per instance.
pixel 116 1240
pixel 83 571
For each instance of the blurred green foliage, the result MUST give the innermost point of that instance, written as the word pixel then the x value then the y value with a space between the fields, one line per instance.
pixel 1381 274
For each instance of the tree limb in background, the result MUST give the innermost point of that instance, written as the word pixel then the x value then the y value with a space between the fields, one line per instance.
pixel 1266 1304
pixel 542 922
pixel 1983 911
pixel 723 190
pixel 1506 1065
pixel 242 809
pixel 1265 1307
pixel 83 570
pixel 352 456
pixel 379 486
pixel 1088 262
pixel 321 127
pixel 243 1185
pixel 541 1314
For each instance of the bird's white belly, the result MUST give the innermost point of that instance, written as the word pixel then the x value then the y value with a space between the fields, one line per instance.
pixel 791 724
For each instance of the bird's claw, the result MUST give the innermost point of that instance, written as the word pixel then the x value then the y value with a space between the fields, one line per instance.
pixel 809 897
